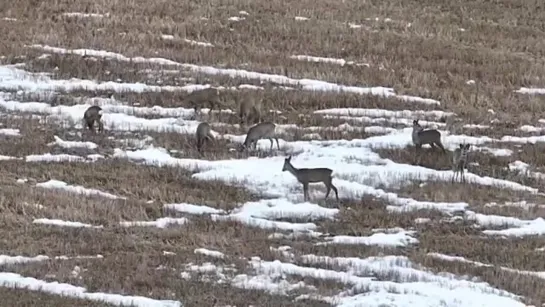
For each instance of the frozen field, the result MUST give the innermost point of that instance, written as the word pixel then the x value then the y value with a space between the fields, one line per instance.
pixel 136 216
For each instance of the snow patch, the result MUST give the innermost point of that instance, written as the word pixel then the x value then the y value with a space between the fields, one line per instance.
pixel 211 253
pixel 61 185
pixel 305 84
pixel 72 144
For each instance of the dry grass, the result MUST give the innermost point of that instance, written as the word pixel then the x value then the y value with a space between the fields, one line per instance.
pixel 117 177
pixel 421 51
pixel 415 61
pixel 481 163
pixel 517 283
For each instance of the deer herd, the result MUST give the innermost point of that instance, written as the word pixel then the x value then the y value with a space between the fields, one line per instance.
pixel 250 111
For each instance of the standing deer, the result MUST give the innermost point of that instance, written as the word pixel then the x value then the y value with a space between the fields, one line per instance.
pixel 250 108
pixel 91 116
pixel 203 134
pixel 421 137
pixel 264 130
pixel 459 161
pixel 198 98
pixel 311 175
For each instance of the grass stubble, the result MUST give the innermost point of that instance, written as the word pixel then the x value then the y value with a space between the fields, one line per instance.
pixel 431 56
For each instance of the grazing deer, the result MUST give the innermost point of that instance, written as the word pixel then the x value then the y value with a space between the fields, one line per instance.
pixel 203 134
pixel 421 137
pixel 91 116
pixel 264 130
pixel 311 175
pixel 459 161
pixel 250 108
pixel 199 98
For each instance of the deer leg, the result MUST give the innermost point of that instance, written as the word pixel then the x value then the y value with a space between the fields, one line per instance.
pixel 305 191
pixel 100 126
pixel 219 106
pixel 417 153
pixel 432 146
pixel 92 126
pixel 441 146
pixel 335 190
pixel 242 117
pixel 328 187
pixel 272 143
pixel 461 173
pixel 196 110
pixel 463 177
pixel 277 144
pixel 247 118
pixel 207 140
pixel 199 144
pixel 210 108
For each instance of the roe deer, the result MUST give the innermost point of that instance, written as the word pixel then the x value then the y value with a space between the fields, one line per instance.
pixel 421 137
pixel 203 134
pixel 311 175
pixel 91 116
pixel 459 161
pixel 264 130
pixel 250 107
pixel 198 98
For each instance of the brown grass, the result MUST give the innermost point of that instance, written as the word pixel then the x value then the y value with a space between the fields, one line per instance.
pixel 517 283
pixel 500 47
pixel 482 163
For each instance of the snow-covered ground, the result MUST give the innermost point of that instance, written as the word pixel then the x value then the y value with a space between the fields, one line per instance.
pixel 358 171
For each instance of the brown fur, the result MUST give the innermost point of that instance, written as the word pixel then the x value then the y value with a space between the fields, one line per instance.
pixel 203 134
pixel 199 98
pixel 459 161
pixel 264 130
pixel 250 109
pixel 92 116
pixel 310 175
pixel 421 137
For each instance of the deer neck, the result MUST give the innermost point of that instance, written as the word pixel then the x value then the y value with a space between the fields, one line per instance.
pixel 292 169
pixel 414 135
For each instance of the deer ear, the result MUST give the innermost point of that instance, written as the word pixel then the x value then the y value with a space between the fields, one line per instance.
pixel 461 145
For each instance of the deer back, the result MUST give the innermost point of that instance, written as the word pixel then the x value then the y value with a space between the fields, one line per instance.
pixel 93 113
pixel 203 129
pixel 202 95
pixel 261 130
pixel 314 174
pixel 428 136
pixel 246 103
